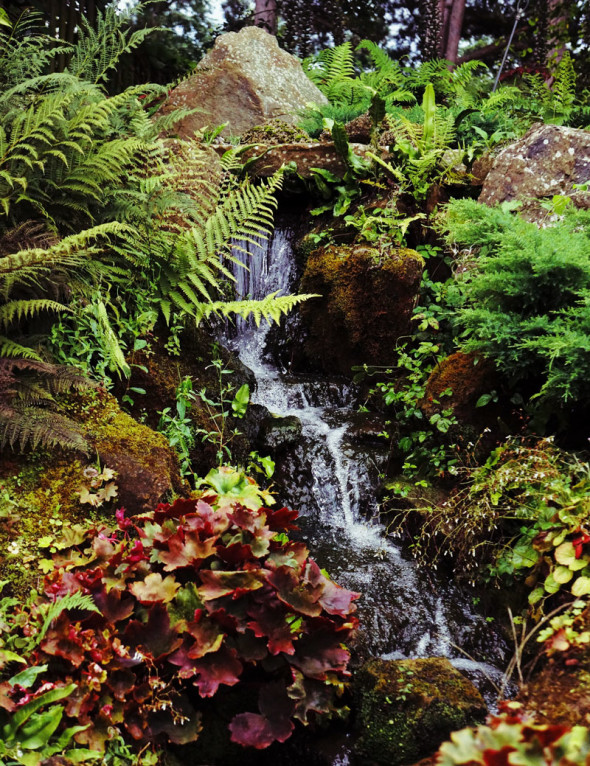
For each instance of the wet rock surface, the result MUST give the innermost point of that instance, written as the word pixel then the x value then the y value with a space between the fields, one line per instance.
pixel 245 81
pixel 548 160
pixel 406 708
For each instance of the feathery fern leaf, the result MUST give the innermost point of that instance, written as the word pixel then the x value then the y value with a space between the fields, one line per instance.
pixel 272 308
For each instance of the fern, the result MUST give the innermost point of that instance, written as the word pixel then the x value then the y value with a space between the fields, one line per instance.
pixel 25 384
pixel 97 51
pixel 71 601
pixel 272 308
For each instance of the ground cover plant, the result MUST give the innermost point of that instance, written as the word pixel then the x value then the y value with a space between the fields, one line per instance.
pixel 138 624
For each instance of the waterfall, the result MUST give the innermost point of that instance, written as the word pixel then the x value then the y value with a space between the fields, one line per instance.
pixel 332 479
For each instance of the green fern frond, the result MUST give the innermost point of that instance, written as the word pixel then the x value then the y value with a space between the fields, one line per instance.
pixel 330 66
pixel 30 426
pixel 25 309
pixel 11 349
pixel 97 51
pixel 272 308
pixel 71 601
pixel 564 86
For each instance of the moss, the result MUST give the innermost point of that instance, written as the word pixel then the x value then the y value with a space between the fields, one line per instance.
pixel 275 132
pixel 39 491
pixel 406 709
pixel 368 298
pixel 38 499
pixel 467 375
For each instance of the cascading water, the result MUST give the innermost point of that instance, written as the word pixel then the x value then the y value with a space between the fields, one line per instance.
pixel 331 475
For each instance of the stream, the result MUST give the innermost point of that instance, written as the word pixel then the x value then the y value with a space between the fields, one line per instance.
pixel 331 475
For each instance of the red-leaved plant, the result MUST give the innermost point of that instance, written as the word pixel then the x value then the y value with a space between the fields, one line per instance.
pixel 192 597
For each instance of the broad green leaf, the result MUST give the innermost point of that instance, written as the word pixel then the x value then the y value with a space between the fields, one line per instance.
pixel 565 554
pixel 36 732
pixel 241 401
pixel 562 574
pixel 581 587
pixel 26 678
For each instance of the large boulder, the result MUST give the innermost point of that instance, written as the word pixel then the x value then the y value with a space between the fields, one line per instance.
pixel 366 303
pixel 246 80
pixel 546 161
pixel 406 708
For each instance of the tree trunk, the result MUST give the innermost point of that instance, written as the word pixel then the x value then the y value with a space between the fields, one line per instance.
pixel 265 15
pixel 451 13
pixel 453 33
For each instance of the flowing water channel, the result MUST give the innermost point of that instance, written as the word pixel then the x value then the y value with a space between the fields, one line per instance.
pixel 331 475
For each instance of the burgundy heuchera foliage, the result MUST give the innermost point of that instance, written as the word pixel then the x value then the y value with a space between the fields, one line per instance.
pixel 191 597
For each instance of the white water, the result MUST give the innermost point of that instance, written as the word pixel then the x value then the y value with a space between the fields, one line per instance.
pixel 333 482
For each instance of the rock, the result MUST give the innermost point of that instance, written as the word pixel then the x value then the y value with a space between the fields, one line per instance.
pixel 246 80
pixel 146 466
pixel 366 304
pixel 305 155
pixel 468 376
pixel 406 708
pixel 279 433
pixel 360 129
pixel 546 161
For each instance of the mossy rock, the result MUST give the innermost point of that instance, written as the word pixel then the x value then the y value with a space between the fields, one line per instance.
pixel 40 490
pixel 406 708
pixel 367 301
pixel 274 132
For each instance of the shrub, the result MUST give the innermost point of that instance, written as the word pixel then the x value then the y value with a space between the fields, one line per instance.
pixel 192 597
pixel 527 300
pixel 510 738
pixel 512 518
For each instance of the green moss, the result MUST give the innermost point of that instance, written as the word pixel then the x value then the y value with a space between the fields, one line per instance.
pixel 368 298
pixel 275 132
pixel 39 499
pixel 407 708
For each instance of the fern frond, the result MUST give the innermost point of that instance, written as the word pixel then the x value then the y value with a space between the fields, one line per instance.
pixel 77 600
pixel 97 51
pixel 272 308
pixel 25 309
pixel 29 426
pixel 10 348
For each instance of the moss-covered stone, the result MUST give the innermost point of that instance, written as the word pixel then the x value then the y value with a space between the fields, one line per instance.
pixel 40 490
pixel 274 132
pixel 406 708
pixel 468 376
pixel 366 305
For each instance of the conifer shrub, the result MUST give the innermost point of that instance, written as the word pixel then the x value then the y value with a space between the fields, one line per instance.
pixel 526 301
pixel 173 607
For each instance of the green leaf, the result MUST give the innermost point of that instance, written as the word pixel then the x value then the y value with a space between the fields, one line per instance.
pixel 581 587
pixel 36 733
pixel 536 595
pixel 4 20
pixel 565 554
pixel 26 678
pixel 562 574
pixel 483 400
pixel 54 695
pixel 241 401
